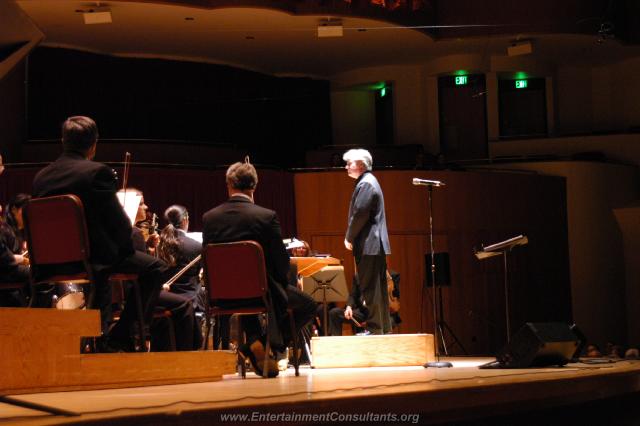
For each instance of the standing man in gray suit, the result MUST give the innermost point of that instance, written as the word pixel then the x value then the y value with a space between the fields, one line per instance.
pixel 367 237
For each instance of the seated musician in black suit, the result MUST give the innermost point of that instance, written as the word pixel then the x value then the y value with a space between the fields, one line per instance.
pixel 240 219
pixel 111 248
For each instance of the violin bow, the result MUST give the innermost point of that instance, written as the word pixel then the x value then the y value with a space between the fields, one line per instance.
pixel 127 166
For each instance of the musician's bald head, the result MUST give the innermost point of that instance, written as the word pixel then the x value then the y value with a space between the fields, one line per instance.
pixel 242 176
pixel 80 134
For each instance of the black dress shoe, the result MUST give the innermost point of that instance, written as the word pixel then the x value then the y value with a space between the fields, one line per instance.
pixel 255 354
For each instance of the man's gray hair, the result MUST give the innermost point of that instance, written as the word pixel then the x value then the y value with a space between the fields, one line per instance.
pixel 359 155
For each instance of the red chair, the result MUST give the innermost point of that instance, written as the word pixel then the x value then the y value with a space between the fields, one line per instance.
pixel 58 241
pixel 236 273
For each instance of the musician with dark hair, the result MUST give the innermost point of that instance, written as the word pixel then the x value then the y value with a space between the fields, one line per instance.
pixel 177 249
pixel 111 248
pixel 13 262
pixel 13 226
pixel 188 336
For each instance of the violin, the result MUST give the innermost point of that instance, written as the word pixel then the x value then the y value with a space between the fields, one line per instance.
pixel 149 230
pixel 148 226
pixel 394 302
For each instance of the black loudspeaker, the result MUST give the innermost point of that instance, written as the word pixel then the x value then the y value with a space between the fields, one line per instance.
pixel 539 344
pixel 441 262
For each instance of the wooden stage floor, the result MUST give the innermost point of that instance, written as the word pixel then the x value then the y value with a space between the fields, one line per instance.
pixel 383 395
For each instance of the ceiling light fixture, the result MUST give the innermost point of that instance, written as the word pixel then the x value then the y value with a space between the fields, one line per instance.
pixel 97 15
pixel 330 28
pixel 522 47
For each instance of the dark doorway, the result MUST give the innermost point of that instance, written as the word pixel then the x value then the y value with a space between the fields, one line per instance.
pixel 463 112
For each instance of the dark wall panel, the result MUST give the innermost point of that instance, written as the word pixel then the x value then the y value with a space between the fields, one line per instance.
pixel 12 113
pixel 275 119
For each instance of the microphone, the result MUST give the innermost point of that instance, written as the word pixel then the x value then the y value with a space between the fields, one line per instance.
pixel 427 182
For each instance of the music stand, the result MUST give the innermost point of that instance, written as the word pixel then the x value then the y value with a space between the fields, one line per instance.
pixel 497 249
pixel 326 285
pixel 443 278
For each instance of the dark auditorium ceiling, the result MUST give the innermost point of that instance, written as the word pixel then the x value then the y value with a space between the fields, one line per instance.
pixel 282 40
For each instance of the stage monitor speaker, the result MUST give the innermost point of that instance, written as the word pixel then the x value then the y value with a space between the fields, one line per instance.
pixel 539 344
pixel 441 262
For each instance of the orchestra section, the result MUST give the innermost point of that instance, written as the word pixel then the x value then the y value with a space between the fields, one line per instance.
pixel 474 208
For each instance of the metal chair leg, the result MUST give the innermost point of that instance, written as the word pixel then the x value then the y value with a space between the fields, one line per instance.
pixel 141 324
pixel 208 327
pixel 306 338
pixel 296 345
pixel 265 365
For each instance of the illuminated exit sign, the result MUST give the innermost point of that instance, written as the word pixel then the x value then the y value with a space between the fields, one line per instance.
pixel 521 84
pixel 461 80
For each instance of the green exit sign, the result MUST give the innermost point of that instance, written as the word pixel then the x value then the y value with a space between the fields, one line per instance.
pixel 461 80
pixel 521 84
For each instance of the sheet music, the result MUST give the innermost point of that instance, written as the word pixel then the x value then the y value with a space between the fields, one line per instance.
pixel 195 236
pixel 130 201
pixel 291 243
pixel 515 241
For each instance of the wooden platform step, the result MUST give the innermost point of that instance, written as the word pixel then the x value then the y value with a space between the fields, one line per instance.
pixel 40 352
pixel 389 350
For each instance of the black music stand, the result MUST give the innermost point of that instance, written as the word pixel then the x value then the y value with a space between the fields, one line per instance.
pixel 443 278
pixel 328 279
pixel 497 249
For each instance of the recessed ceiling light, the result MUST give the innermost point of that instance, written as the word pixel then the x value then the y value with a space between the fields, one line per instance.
pixel 97 15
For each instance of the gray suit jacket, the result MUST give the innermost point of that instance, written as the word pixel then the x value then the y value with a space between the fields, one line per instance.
pixel 367 229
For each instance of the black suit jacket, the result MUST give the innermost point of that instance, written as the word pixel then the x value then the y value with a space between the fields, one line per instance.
pixel 367 229
pixel 239 219
pixel 95 184
pixel 7 243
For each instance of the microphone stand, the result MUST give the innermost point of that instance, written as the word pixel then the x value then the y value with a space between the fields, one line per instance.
pixel 437 363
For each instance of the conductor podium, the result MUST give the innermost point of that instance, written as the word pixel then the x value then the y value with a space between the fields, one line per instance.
pixel 324 280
